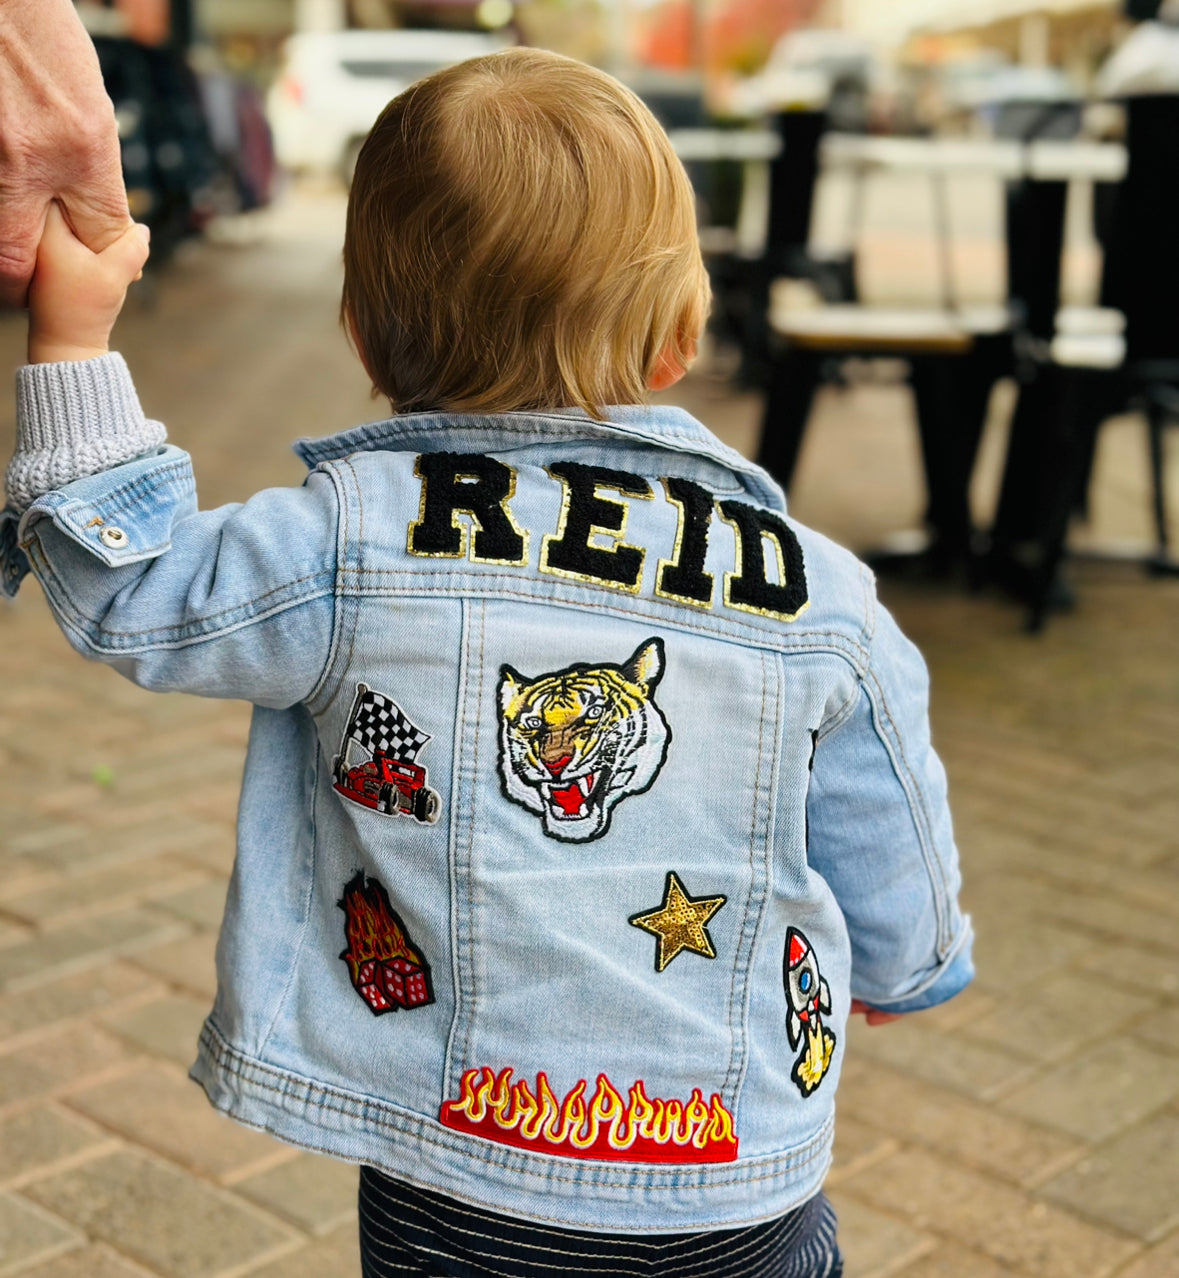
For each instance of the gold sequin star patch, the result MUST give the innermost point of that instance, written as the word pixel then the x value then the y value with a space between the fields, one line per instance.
pixel 678 923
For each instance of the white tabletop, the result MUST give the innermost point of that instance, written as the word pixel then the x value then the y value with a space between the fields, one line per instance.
pixel 725 144
pixel 1048 160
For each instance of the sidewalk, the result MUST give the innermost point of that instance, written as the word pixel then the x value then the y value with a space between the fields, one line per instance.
pixel 1029 1128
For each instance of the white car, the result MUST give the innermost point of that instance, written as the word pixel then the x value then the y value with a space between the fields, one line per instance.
pixel 334 84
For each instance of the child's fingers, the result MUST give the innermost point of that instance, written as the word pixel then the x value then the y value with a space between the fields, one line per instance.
pixel 128 254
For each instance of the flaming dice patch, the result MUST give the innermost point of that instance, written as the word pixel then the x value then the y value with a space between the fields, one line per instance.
pixel 807 997
pixel 386 971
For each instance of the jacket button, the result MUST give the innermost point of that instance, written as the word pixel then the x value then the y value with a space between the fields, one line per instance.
pixel 113 537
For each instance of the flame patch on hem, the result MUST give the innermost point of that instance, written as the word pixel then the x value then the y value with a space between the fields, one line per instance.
pixel 600 1127
pixel 386 970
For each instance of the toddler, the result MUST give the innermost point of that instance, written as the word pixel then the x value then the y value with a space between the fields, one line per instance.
pixel 586 793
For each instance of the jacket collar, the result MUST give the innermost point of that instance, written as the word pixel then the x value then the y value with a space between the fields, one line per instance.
pixel 662 426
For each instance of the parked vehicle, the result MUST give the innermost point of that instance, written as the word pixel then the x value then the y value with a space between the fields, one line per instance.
pixel 334 84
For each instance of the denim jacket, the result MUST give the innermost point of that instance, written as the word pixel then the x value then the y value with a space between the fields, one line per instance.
pixel 584 790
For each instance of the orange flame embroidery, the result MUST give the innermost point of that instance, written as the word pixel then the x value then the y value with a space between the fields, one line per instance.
pixel 640 1130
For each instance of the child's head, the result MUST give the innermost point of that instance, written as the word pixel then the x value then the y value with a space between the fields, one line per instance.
pixel 521 235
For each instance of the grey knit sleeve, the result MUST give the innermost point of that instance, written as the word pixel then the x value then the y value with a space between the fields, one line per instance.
pixel 73 420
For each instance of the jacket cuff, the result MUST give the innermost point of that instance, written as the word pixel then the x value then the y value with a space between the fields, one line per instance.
pixel 950 978
pixel 74 420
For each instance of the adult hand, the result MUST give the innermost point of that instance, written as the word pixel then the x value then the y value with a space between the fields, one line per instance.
pixel 58 138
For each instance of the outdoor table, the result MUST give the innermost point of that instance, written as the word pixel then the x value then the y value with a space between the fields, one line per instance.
pixel 1049 162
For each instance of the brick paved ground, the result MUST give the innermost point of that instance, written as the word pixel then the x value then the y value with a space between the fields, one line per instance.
pixel 1031 1127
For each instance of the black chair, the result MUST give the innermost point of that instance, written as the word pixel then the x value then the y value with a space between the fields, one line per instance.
pixel 952 361
pixel 953 357
pixel 741 284
pixel 1070 387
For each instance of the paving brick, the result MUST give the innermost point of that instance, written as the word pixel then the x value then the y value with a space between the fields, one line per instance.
pixel 1057 1013
pixel 106 888
pixel 36 1139
pixel 36 835
pixel 1131 1182
pixel 86 944
pixel 1162 1028
pixel 872 1243
pixel 1013 1229
pixel 317 1194
pixel 121 837
pixel 168 1026
pixel 1149 970
pixel 1120 920
pixel 1061 808
pixel 213 853
pixel 36 1009
pixel 203 905
pixel 909 1047
pixel 28 1234
pixel 12 931
pixel 913 1111
pixel 180 775
pixel 950 1261
pixel 187 962
pixel 89 1262
pixel 335 1256
pixel 164 1111
pixel 57 1061
pixel 1161 1261
pixel 856 1145
pixel 162 1217
pixel 1099 1094
pixel 1010 954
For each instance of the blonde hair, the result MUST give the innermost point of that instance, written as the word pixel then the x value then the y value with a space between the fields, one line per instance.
pixel 520 235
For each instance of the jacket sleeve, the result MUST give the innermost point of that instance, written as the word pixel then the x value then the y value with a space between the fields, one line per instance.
pixel 236 602
pixel 880 834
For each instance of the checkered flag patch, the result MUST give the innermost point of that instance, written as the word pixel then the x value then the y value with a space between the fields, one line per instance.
pixel 378 724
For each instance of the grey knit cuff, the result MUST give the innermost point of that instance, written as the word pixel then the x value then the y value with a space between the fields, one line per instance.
pixel 73 420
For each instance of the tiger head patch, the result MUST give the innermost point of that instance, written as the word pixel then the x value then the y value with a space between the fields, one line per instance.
pixel 575 743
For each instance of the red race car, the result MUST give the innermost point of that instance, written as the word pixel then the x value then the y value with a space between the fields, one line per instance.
pixel 391 786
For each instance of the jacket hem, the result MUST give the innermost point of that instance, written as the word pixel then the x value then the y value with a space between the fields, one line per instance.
pixel 609 1197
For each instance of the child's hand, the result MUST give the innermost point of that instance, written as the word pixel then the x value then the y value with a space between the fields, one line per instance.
pixel 873 1015
pixel 76 295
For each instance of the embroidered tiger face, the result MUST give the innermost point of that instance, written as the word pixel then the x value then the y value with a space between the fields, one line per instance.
pixel 575 743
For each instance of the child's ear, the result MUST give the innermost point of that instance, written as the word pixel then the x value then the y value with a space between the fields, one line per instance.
pixel 668 366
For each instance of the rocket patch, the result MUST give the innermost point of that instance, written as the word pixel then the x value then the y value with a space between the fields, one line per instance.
pixel 807 998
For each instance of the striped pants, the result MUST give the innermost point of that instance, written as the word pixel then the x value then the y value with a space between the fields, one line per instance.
pixel 411 1232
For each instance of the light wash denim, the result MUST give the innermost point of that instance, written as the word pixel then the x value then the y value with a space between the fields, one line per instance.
pixel 665 960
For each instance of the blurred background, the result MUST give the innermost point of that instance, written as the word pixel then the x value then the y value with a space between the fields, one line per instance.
pixel 943 237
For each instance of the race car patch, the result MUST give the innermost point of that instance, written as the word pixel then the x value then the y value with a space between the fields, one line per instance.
pixel 386 970
pixel 574 743
pixel 602 1126
pixel 377 764
pixel 807 998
